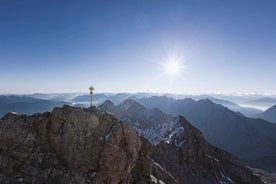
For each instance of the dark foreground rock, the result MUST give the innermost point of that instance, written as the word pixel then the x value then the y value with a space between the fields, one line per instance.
pixel 75 145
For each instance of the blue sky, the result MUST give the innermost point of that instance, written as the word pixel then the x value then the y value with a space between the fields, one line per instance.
pixel 64 46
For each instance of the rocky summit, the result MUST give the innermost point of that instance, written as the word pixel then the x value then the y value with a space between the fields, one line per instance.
pixel 75 145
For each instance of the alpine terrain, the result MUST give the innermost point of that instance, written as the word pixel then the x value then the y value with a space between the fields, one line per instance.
pixel 77 145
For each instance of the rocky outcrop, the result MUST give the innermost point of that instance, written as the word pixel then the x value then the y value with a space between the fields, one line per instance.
pixel 181 149
pixel 153 124
pixel 196 161
pixel 136 115
pixel 74 145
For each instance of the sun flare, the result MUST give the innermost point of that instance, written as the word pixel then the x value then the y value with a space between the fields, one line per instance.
pixel 172 67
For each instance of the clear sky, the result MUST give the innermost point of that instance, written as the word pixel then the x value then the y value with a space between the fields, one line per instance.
pixel 64 46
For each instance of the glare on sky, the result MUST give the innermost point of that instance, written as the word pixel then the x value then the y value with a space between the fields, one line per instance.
pixel 172 65
pixel 173 46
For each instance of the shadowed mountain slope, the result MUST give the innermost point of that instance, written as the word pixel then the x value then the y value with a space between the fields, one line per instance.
pixel 269 114
pixel 245 137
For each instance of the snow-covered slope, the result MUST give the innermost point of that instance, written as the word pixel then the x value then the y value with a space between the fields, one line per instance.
pixel 154 125
pixel 179 147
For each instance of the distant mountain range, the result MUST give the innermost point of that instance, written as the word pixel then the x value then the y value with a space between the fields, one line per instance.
pixel 222 127
pixel 54 96
pixel 251 139
pixel 248 138
pixel 244 104
pixel 247 111
pixel 26 105
pixel 99 98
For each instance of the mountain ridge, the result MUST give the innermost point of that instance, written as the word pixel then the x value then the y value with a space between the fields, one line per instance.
pixel 77 145
pixel 245 137
pixel 269 114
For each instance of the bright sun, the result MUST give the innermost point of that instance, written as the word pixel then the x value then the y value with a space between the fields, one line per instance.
pixel 172 67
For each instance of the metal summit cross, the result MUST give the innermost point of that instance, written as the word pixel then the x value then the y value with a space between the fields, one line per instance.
pixel 91 89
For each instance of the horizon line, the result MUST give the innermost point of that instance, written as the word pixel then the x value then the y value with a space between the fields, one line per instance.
pixel 195 93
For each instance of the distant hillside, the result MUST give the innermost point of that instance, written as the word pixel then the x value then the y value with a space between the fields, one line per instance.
pixel 247 111
pixel 26 105
pixel 7 99
pixel 269 114
pixel 54 96
pixel 99 98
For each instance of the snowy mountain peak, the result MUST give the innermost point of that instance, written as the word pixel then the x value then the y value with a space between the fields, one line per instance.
pixel 154 125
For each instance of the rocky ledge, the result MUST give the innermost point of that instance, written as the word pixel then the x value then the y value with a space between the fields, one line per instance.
pixel 75 145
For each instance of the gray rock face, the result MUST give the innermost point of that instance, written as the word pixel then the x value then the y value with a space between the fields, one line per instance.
pixel 153 124
pixel 182 149
pixel 72 145
pixel 196 161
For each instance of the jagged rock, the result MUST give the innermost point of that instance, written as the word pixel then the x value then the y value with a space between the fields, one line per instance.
pixel 196 161
pixel 181 149
pixel 141 119
pixel 74 145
